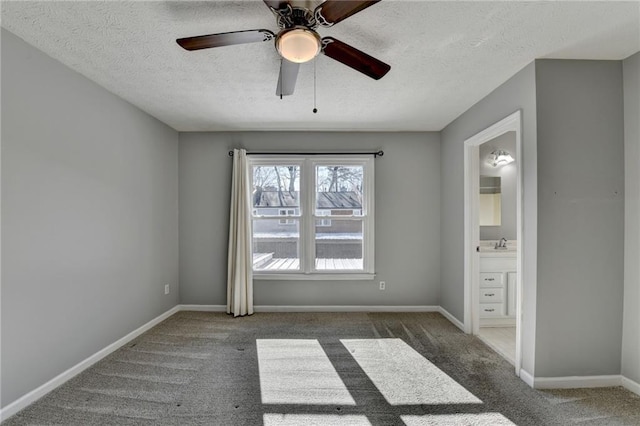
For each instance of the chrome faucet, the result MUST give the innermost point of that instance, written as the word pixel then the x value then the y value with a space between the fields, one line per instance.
pixel 502 243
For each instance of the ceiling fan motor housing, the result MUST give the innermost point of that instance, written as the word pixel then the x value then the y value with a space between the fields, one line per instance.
pixel 296 16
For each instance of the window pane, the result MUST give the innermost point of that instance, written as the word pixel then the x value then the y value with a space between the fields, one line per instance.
pixel 339 245
pixel 276 190
pixel 276 245
pixel 339 190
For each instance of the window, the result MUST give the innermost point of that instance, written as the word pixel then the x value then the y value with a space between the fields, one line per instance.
pixel 323 222
pixel 287 212
pixel 312 217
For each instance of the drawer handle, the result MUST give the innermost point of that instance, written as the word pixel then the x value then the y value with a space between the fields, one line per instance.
pixel 489 294
pixel 489 279
pixel 489 310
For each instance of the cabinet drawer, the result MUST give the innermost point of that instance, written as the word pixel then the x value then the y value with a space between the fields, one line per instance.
pixel 490 310
pixel 491 279
pixel 491 295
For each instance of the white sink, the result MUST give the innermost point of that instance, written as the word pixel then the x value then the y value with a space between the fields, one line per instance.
pixel 493 249
pixel 489 247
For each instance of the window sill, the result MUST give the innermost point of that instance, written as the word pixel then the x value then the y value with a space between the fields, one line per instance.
pixel 358 276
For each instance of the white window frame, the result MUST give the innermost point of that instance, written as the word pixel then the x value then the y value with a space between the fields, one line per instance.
pixel 308 216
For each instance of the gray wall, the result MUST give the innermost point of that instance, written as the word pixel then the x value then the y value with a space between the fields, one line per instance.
pixel 407 219
pixel 580 217
pixel 518 93
pixel 89 219
pixel 508 182
pixel 631 328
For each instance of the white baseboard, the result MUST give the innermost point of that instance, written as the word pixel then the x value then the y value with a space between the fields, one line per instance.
pixel 451 318
pixel 203 308
pixel 572 382
pixel 331 308
pixel 631 385
pixel 315 308
pixel 579 382
pixel 327 308
pixel 345 308
pixel 61 378
pixel 526 377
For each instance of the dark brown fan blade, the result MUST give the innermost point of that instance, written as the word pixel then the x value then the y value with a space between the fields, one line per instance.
pixel 354 58
pixel 287 78
pixel 276 4
pixel 225 39
pixel 334 11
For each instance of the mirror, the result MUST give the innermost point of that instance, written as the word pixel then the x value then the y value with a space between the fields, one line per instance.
pixel 490 201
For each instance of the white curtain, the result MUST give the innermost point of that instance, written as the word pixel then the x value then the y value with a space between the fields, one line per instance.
pixel 240 263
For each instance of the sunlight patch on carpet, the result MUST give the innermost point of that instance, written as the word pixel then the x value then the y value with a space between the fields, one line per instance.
pixel 314 420
pixel 297 371
pixel 482 419
pixel 403 376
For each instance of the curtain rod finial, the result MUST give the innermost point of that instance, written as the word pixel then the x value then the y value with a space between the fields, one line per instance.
pixel 231 153
pixel 379 153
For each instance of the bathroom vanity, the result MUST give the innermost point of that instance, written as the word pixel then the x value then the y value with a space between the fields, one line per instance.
pixel 497 286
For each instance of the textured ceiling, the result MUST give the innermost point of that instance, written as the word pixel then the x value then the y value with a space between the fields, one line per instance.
pixel 444 57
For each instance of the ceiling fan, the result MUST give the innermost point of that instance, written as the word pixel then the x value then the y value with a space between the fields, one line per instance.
pixel 297 40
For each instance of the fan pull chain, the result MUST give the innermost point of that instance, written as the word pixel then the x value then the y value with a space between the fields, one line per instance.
pixel 280 77
pixel 315 110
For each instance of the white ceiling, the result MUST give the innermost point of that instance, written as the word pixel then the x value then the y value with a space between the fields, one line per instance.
pixel 444 57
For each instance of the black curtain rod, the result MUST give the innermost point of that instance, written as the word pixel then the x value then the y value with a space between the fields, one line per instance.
pixel 375 153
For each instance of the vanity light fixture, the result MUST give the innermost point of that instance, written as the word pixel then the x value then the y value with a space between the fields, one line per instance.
pixel 499 158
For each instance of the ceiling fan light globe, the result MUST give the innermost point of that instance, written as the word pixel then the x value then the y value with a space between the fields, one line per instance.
pixel 298 45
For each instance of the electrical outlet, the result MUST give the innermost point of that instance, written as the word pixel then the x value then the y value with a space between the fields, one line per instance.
pixel 166 289
pixel 382 285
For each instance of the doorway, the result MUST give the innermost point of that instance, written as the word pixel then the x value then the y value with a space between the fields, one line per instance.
pixel 494 237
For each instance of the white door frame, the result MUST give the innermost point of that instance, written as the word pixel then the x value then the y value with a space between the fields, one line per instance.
pixel 472 226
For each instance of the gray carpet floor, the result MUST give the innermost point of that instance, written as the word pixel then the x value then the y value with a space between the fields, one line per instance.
pixel 199 368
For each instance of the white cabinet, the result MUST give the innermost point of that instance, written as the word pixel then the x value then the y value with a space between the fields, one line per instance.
pixel 497 289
